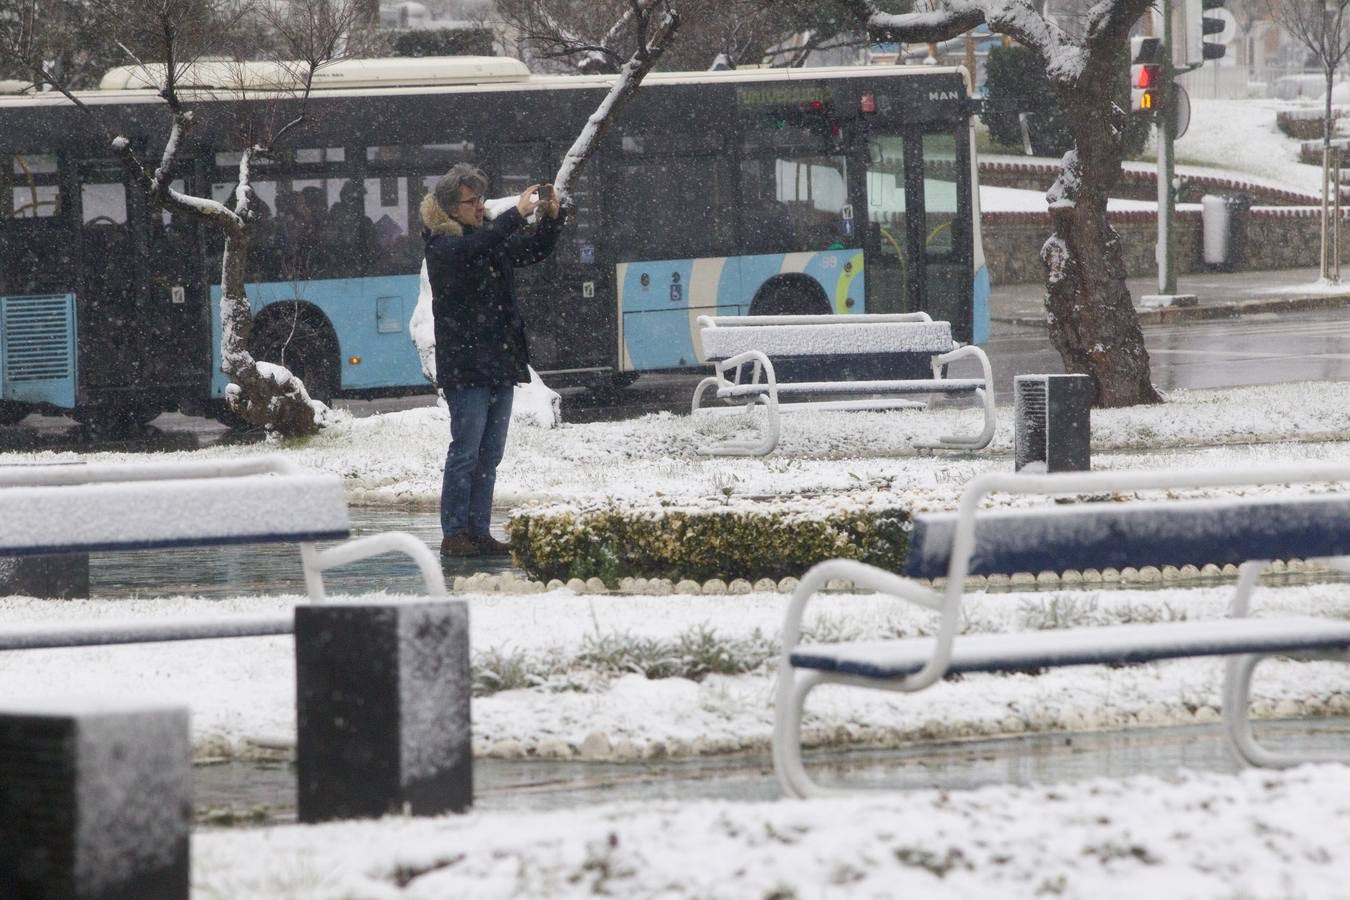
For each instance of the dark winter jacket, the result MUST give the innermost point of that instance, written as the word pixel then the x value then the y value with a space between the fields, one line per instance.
pixel 480 335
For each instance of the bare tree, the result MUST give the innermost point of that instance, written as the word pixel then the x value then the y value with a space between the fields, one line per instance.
pixel 574 36
pixel 1322 27
pixel 164 42
pixel 1092 320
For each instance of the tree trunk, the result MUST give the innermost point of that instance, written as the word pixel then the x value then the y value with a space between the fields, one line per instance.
pixel 1092 320
pixel 262 393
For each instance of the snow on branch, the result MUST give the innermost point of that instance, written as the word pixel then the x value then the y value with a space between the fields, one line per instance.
pixel 644 59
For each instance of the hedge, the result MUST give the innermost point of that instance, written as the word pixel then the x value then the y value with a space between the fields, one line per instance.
pixel 612 543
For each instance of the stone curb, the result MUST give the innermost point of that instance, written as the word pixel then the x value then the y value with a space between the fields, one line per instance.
pixel 1169 314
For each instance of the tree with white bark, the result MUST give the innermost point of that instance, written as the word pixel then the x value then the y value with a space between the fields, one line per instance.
pixel 164 43
pixel 1323 28
pixel 639 36
pixel 1091 317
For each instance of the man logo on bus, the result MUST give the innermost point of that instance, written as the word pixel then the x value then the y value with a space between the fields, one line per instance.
pixel 942 95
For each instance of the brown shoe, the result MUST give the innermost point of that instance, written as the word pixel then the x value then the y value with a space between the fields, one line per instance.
pixel 490 546
pixel 459 545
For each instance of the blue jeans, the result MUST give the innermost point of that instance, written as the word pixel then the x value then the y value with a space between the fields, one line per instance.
pixel 479 418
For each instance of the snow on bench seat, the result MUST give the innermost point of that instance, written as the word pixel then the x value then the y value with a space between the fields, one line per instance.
pixel 846 335
pixel 1138 533
pixel 138 515
pixel 1078 646
pixel 929 386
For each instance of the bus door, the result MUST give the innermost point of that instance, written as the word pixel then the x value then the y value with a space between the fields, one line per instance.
pixel 564 323
pixel 173 300
pixel 919 230
pixel 116 340
pixel 37 283
pixel 945 228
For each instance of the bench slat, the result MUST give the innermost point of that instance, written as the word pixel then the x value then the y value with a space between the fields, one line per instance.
pixel 1080 646
pixel 1154 533
pixel 136 515
pixel 845 337
pixel 943 386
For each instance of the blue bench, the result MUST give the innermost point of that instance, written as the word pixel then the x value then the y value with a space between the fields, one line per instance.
pixel 145 506
pixel 888 358
pixel 1246 530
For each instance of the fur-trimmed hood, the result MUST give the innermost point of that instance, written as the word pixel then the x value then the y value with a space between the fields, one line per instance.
pixel 437 221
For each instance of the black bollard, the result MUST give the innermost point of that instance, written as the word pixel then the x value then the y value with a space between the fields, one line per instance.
pixel 1053 427
pixel 382 710
pixel 95 800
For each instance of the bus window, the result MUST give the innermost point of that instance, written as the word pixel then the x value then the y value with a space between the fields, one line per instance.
pixel 33 191
pixel 423 157
pixel 103 203
pixel 395 226
pixel 672 208
pixel 793 203
pixel 887 262
pixel 939 193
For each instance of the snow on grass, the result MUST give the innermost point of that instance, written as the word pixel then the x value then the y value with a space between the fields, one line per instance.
pixel 395 459
pixel 1257 834
pixel 244 688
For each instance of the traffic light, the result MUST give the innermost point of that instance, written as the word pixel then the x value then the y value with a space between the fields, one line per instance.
pixel 1203 18
pixel 1146 74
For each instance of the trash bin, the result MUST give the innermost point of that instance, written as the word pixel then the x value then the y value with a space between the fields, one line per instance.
pixel 1224 228
pixel 1239 211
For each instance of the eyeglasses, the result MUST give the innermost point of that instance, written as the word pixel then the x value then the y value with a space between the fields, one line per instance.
pixel 473 201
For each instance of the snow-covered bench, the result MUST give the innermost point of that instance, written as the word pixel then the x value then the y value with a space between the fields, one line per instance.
pixel 888 358
pixel 146 506
pixel 1248 530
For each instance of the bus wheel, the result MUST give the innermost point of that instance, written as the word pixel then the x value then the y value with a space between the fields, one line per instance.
pixel 12 413
pixel 116 419
pixel 790 295
pixel 305 344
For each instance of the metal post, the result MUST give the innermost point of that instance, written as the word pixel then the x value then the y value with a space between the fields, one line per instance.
pixel 1167 239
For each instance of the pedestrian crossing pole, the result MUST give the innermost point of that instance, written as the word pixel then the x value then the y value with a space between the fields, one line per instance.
pixel 1167 194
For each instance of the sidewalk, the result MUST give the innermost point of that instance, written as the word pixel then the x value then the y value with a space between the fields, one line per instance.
pixel 1219 295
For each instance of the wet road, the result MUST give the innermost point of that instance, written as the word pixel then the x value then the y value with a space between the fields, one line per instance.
pixel 248 793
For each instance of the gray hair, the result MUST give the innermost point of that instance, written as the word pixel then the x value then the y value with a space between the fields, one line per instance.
pixel 460 175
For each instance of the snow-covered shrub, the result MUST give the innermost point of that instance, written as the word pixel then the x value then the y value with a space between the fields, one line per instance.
pixel 612 543
pixel 1303 124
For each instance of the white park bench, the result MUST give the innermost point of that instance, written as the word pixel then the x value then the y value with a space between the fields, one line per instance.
pixel 146 506
pixel 1245 530
pixel 880 361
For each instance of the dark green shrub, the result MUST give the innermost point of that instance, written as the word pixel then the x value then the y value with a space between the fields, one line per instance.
pixel 611 543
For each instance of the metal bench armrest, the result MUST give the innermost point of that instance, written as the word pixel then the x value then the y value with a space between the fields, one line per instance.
pixel 316 561
pixel 861 575
pixel 969 350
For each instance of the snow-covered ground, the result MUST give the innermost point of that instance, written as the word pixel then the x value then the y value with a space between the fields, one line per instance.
pixel 1258 834
pixel 562 642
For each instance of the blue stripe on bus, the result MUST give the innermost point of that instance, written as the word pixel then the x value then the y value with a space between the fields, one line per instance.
pixel 659 317
pixel 358 309
pixel 980 310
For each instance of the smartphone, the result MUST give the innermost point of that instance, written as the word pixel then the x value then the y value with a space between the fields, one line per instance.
pixel 545 193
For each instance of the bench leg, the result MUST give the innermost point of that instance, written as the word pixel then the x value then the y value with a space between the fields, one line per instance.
pixel 976 442
pixel 760 446
pixel 793 686
pixel 1237 686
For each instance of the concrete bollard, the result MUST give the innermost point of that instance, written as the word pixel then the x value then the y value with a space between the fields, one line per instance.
pixel 95 800
pixel 382 710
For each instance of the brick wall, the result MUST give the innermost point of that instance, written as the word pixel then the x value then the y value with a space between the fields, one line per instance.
pixel 1276 238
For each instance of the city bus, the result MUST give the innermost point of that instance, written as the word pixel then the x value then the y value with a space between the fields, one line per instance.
pixel 759 191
